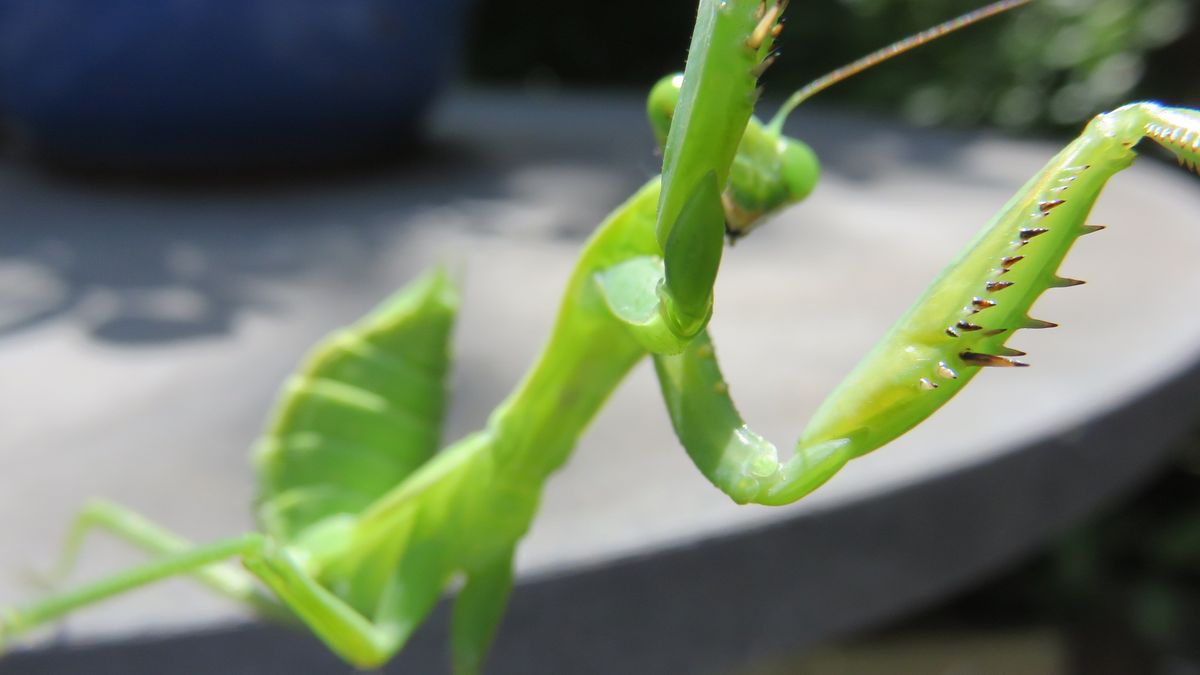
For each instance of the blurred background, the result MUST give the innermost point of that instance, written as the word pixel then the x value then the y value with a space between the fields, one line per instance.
pixel 1048 67
pixel 251 121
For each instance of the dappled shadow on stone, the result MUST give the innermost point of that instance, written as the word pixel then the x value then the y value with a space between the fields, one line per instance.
pixel 140 260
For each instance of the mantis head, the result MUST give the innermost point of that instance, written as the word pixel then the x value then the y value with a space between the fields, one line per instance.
pixel 772 171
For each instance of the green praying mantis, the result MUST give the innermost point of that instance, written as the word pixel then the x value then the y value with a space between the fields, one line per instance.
pixel 365 523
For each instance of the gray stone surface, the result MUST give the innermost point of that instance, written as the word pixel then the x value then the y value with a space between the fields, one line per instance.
pixel 145 329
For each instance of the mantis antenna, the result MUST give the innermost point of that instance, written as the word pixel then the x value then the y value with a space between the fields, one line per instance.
pixel 822 83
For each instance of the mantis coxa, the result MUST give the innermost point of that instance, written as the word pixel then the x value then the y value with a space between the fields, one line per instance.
pixel 365 523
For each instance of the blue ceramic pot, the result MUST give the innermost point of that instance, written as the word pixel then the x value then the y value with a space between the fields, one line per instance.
pixel 221 83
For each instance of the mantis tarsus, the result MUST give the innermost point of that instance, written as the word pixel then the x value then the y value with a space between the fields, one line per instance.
pixel 366 523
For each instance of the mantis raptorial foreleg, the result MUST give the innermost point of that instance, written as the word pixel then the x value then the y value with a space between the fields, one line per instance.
pixel 959 325
pixel 666 298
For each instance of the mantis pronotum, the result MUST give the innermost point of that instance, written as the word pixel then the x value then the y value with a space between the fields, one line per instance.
pixel 365 523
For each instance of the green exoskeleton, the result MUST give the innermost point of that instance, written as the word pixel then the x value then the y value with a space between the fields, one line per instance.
pixel 365 523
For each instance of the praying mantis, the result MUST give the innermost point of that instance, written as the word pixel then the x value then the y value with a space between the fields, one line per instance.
pixel 366 523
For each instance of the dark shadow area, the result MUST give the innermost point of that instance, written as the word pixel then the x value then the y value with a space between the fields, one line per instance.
pixel 1007 71
pixel 251 649
pixel 1113 595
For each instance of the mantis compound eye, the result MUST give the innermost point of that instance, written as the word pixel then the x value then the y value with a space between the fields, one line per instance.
pixel 660 107
pixel 799 168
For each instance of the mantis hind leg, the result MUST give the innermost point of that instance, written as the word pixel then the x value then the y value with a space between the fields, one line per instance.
pixel 136 530
pixel 346 631
pixel 477 613
pixel 190 561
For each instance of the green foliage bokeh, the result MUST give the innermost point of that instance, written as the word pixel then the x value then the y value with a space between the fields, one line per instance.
pixel 1053 63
